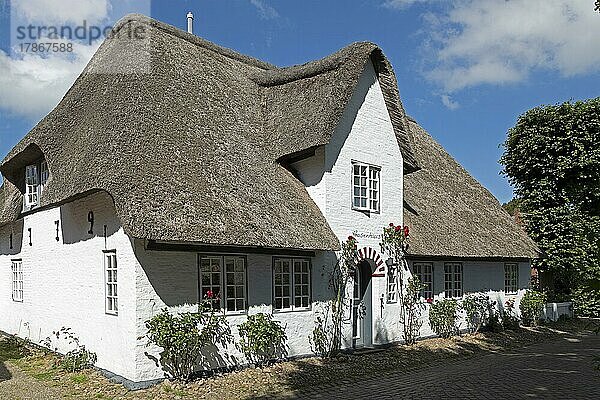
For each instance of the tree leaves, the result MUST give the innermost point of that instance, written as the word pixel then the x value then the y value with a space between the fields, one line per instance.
pixel 552 157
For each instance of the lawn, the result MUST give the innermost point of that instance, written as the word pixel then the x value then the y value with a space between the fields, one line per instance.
pixel 280 378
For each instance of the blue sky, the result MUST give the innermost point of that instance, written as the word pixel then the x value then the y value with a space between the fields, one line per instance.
pixel 466 69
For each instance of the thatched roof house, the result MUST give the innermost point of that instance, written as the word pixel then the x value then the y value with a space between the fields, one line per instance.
pixel 205 119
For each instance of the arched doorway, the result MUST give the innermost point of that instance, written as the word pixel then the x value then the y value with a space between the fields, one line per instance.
pixel 362 307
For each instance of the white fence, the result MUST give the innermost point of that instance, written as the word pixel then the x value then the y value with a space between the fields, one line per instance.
pixel 553 311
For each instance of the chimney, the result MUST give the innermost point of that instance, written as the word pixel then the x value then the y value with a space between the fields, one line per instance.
pixel 190 19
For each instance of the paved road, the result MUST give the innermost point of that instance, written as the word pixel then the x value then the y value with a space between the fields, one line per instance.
pixel 562 369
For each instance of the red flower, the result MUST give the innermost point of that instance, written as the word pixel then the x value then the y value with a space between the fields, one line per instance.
pixel 209 294
pixel 406 230
pixel 392 224
pixel 350 238
pixel 430 300
pixel 398 228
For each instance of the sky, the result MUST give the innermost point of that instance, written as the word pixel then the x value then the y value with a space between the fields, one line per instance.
pixel 466 69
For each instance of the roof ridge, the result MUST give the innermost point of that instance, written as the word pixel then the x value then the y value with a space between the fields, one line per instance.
pixel 193 39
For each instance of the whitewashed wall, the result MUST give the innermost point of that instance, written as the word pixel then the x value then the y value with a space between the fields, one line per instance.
pixel 64 280
pixel 170 279
pixel 478 276
pixel 365 134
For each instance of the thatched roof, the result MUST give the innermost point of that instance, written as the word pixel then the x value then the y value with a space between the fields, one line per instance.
pixel 451 215
pixel 188 149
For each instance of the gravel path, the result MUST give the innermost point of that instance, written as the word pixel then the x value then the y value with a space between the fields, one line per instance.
pixel 16 385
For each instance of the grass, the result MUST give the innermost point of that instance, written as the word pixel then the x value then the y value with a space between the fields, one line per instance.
pixel 289 376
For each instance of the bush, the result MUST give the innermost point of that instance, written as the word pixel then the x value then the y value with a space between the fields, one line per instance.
pixel 531 306
pixel 442 317
pixel 261 339
pixel 184 336
pixel 476 307
pixel 509 319
pixel 75 360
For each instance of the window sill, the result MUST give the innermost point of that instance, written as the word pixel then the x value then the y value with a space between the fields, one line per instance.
pixel 235 313
pixel 291 310
pixel 114 313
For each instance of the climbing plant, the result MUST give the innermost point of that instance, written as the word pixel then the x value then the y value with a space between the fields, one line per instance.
pixel 326 337
pixel 394 242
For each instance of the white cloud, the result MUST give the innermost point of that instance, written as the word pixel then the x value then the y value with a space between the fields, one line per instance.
pixel 60 12
pixel 448 102
pixel 32 85
pixel 264 10
pixel 475 42
pixel 402 4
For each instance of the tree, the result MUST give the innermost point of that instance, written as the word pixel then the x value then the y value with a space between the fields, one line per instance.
pixel 552 157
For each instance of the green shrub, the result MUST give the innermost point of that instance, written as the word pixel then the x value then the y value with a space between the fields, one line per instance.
pixel 532 306
pixel 262 339
pixel 75 360
pixel 509 318
pixel 184 336
pixel 476 307
pixel 442 317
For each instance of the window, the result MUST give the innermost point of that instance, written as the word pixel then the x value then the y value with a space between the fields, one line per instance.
pixel 36 176
pixel 31 185
pixel 291 283
pixel 511 278
pixel 424 271
pixel 17 280
pixel 44 174
pixel 453 280
pixel 230 271
pixel 392 285
pixel 110 268
pixel 365 187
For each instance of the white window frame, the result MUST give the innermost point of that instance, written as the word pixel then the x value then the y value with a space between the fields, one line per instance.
pixel 392 285
pixel 366 187
pixel 32 185
pixel 111 298
pixel 17 280
pixel 304 286
pixel 453 280
pixel 44 175
pixel 36 177
pixel 216 280
pixel 511 278
pixel 424 271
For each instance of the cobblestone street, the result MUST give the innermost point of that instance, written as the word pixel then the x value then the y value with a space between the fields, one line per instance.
pixel 562 369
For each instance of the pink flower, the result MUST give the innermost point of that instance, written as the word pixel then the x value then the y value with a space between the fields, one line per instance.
pixel 429 300
pixel 391 224
pixel 398 228
pixel 209 294
pixel 406 230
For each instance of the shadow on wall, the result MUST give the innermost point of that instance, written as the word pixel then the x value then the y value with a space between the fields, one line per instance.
pixel 12 238
pixel 172 275
pixel 89 217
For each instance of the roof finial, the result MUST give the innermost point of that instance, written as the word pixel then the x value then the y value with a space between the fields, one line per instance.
pixel 190 20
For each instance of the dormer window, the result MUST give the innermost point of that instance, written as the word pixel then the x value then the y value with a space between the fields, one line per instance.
pixel 36 176
pixel 365 187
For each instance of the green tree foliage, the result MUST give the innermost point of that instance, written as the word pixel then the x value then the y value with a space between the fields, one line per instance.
pixel 512 206
pixel 443 317
pixel 532 306
pixel 552 157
